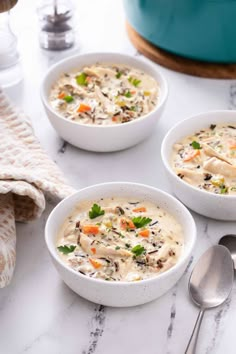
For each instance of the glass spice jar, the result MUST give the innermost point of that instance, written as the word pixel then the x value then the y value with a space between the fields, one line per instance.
pixel 10 70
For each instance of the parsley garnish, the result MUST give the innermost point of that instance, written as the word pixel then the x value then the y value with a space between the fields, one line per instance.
pixel 195 145
pixel 133 108
pixel 117 248
pixel 68 99
pixel 118 75
pixel 133 81
pixel 223 189
pixel 212 126
pixel 81 79
pixel 66 249
pixel 128 94
pixel 138 250
pixel 127 245
pixel 96 211
pixel 140 221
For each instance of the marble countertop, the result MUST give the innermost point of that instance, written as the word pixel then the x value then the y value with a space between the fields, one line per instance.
pixel 38 313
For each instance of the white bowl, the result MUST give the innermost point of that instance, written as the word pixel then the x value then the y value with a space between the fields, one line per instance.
pixel 216 206
pixel 121 294
pixel 109 137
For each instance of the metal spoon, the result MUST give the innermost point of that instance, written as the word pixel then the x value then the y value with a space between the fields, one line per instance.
pixel 210 284
pixel 229 241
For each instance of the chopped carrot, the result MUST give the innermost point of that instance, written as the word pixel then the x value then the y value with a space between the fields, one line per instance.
pixel 232 147
pixel 61 95
pixel 139 210
pixel 131 224
pixel 127 224
pixel 144 233
pixel 123 224
pixel 94 263
pixel 88 79
pixel 192 155
pixel 93 249
pixel 83 108
pixel 132 92
pixel 114 119
pixel 90 229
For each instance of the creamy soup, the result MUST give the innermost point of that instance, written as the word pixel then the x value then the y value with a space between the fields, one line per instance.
pixel 104 94
pixel 120 239
pixel 207 159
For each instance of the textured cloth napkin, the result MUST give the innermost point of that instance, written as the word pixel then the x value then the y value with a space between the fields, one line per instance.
pixel 27 176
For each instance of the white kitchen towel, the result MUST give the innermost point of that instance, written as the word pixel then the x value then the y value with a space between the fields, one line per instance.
pixel 27 176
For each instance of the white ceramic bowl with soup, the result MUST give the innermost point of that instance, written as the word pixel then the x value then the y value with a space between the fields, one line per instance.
pixel 74 92
pixel 110 288
pixel 199 155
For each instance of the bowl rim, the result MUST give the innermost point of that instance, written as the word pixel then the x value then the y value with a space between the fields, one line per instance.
pixel 116 54
pixel 167 273
pixel 166 162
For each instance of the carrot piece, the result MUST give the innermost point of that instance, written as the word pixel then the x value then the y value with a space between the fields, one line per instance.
pixel 139 210
pixel 90 229
pixel 144 233
pixel 131 224
pixel 123 224
pixel 61 95
pixel 94 263
pixel 83 108
pixel 127 224
pixel 114 119
pixel 192 155
pixel 132 92
pixel 93 249
pixel 232 147
pixel 88 79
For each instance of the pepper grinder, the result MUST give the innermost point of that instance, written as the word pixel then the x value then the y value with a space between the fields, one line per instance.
pixel 56 24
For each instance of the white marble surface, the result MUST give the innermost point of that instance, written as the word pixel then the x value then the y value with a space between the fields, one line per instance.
pixel 38 313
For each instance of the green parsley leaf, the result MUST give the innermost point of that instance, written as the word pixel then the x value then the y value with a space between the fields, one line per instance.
pixel 195 145
pixel 118 75
pixel 117 248
pixel 140 221
pixel 212 126
pixel 68 99
pixel 81 79
pixel 233 189
pixel 128 94
pixel 66 249
pixel 133 81
pixel 136 82
pixel 133 108
pixel 127 245
pixel 223 189
pixel 96 211
pixel 138 250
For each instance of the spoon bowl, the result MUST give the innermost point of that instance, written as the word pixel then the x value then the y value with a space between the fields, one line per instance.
pixel 229 241
pixel 210 284
pixel 212 277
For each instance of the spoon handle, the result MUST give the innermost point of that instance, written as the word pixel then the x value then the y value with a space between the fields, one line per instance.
pixel 191 348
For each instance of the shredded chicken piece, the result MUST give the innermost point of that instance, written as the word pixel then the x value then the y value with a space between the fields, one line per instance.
pixel 190 176
pixel 98 71
pixel 211 152
pixel 214 165
pixel 101 251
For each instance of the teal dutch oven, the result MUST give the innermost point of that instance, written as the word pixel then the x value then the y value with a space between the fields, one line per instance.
pixel 197 29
